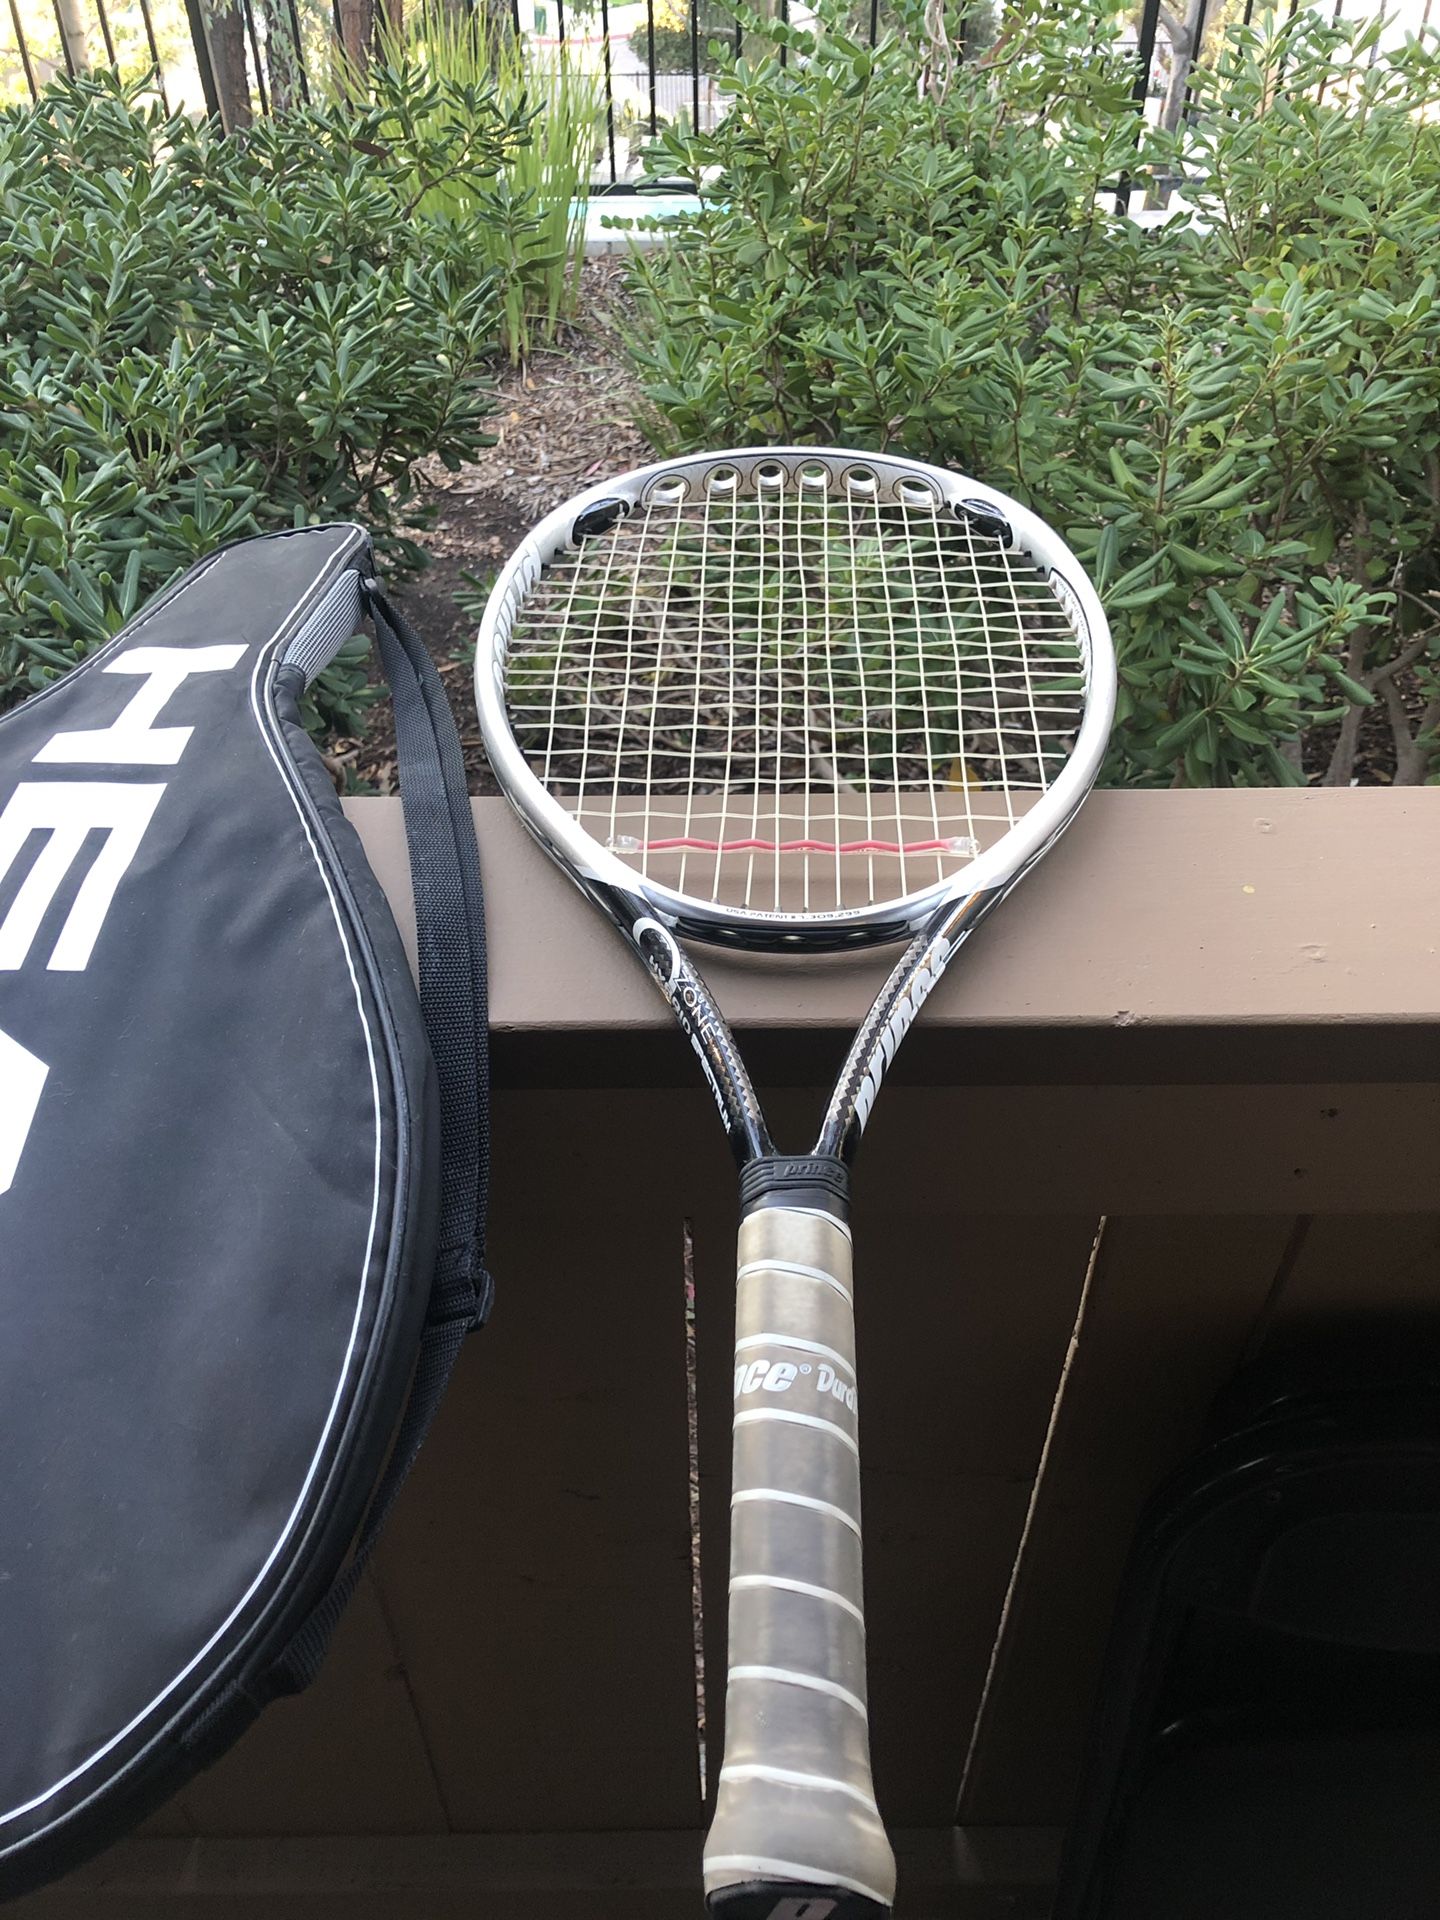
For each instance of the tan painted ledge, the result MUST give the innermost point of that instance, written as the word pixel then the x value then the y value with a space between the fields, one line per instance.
pixel 1217 936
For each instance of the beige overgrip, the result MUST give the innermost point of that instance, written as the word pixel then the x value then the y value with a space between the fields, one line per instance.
pixel 796 1801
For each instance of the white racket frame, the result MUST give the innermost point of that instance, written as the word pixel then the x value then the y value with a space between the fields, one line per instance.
pixel 991 871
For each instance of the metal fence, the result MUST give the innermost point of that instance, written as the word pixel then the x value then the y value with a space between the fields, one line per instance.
pixel 234 58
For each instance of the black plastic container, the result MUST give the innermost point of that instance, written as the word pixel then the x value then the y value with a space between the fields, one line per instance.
pixel 1267 1742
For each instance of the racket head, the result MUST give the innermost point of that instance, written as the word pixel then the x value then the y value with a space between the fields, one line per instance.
pixel 796 697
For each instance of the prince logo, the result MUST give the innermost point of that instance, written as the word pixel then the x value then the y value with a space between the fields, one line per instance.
pixel 65 813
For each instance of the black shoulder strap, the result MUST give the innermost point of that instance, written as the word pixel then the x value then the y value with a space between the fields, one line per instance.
pixel 450 930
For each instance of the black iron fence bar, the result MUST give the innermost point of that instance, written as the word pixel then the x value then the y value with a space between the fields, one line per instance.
pixel 155 63
pixel 650 64
pixel 65 53
pixel 1335 13
pixel 24 51
pixel 299 47
pixel 609 89
pixel 1197 47
pixel 695 64
pixel 105 34
pixel 784 21
pixel 515 17
pixel 1145 51
pixel 204 65
pixel 874 21
pixel 1144 59
pixel 248 14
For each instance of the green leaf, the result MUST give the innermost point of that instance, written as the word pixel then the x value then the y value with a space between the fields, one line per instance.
pixel 1199 491
pixel 1362 696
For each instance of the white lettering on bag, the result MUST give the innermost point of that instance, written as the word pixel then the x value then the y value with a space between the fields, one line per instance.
pixel 133 739
pixel 22 1081
pixel 68 812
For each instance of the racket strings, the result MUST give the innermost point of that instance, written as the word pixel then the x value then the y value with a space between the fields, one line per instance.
pixel 796 699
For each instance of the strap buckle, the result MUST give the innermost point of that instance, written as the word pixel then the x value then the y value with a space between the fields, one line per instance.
pixel 464 1287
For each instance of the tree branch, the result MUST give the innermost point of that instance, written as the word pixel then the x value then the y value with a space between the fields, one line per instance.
pixel 1405 658
pixel 1409 762
pixel 1177 31
pixel 1341 769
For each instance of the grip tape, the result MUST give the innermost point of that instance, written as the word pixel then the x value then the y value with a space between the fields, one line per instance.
pixel 795 1815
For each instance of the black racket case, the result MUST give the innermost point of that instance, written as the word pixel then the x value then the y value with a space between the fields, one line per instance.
pixel 241 1176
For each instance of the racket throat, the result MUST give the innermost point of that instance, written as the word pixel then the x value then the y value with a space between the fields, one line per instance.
pixel 812 1182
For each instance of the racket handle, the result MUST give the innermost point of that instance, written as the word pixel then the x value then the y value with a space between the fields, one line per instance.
pixel 796 1834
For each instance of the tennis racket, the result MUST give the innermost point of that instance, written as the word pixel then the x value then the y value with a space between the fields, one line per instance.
pixel 795 701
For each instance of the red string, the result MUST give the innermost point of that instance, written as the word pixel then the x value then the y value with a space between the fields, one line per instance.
pixel 802 846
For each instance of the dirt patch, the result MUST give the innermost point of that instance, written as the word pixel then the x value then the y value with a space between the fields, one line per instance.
pixel 562 421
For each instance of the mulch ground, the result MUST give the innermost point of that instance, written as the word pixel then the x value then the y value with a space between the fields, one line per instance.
pixel 562 421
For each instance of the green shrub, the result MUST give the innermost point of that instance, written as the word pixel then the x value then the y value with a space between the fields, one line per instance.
pixel 204 338
pixel 1234 419
pixel 529 225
